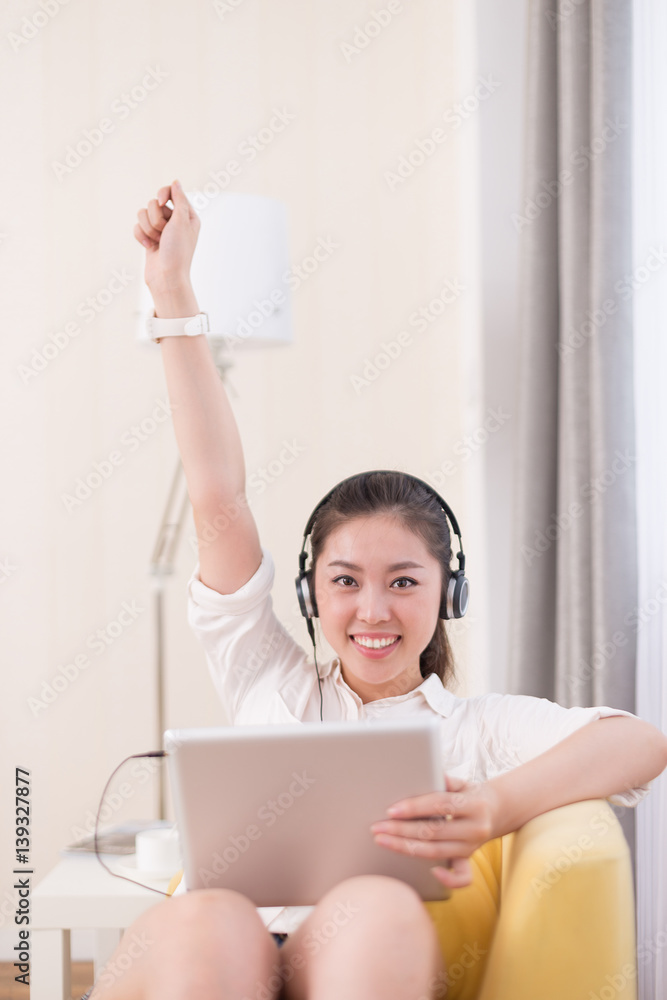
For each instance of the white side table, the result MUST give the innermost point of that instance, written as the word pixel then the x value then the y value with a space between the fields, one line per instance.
pixel 79 893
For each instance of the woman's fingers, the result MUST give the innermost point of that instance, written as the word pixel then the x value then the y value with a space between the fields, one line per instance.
pixel 181 204
pixel 453 784
pixel 152 220
pixel 157 216
pixel 456 877
pixel 140 235
pixel 146 225
pixel 431 804
pixel 433 849
pixel 169 234
pixel 164 194
pixel 430 828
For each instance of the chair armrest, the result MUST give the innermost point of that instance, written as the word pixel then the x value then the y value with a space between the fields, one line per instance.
pixel 566 929
pixel 175 882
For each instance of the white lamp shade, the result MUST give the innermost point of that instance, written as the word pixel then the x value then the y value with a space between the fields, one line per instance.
pixel 239 270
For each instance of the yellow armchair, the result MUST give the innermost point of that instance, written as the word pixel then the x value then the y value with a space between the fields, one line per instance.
pixel 550 914
pixel 559 923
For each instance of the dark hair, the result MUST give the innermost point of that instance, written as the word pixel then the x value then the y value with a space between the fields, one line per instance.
pixel 399 495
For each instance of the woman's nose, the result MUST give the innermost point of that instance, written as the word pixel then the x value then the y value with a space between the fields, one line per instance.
pixel 373 606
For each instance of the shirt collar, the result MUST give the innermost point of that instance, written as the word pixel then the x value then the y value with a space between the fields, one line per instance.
pixel 431 689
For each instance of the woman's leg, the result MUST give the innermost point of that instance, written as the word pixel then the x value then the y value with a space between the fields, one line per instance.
pixel 209 944
pixel 370 936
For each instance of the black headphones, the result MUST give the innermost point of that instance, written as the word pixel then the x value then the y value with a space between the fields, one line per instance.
pixel 454 603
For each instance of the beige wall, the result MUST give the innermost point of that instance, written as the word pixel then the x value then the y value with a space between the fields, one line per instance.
pixel 69 572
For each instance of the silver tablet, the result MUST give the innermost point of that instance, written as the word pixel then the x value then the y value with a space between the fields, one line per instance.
pixel 282 813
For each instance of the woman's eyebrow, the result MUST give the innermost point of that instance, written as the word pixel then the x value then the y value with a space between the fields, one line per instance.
pixel 408 564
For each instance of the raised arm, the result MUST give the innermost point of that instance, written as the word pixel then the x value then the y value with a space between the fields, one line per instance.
pixel 206 432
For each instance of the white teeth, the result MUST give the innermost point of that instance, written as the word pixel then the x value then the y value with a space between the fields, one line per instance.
pixel 374 643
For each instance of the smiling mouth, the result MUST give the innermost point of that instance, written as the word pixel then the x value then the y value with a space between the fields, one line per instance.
pixel 368 643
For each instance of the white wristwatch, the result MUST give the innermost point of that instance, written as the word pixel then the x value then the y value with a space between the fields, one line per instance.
pixel 183 326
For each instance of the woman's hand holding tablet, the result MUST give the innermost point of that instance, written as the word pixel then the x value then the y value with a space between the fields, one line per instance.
pixel 442 825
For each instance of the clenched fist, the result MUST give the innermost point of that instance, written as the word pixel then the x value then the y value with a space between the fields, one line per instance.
pixel 170 236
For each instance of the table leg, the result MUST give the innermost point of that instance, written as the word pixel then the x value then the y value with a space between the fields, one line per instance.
pixel 50 969
pixel 106 942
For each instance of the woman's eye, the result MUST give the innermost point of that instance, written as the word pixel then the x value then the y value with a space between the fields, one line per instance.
pixel 405 580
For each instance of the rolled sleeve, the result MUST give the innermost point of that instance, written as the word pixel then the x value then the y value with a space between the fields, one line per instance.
pixel 202 600
pixel 518 728
pixel 240 633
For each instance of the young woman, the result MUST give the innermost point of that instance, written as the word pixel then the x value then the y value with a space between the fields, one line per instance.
pixel 380 565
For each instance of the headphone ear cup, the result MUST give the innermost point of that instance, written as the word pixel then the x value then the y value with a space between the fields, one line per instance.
pixel 311 592
pixel 298 583
pixel 455 603
pixel 305 592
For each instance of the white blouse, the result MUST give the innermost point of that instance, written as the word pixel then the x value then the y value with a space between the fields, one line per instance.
pixel 263 675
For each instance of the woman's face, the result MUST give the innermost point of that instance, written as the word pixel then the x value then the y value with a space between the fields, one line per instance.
pixel 375 579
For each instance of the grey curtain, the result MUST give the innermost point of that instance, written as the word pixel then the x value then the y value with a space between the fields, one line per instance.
pixel 574 580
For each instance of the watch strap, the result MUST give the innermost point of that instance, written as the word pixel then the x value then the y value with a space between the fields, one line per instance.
pixel 181 326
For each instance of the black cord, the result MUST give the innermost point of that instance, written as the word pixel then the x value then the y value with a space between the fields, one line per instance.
pixel 319 682
pixel 151 753
pixel 311 632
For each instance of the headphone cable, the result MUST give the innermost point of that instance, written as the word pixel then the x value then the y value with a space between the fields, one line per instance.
pixel 151 753
pixel 311 631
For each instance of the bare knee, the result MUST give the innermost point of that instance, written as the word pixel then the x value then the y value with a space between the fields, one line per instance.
pixel 204 905
pixel 206 919
pixel 379 895
pixel 197 930
pixel 369 934
pixel 371 908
